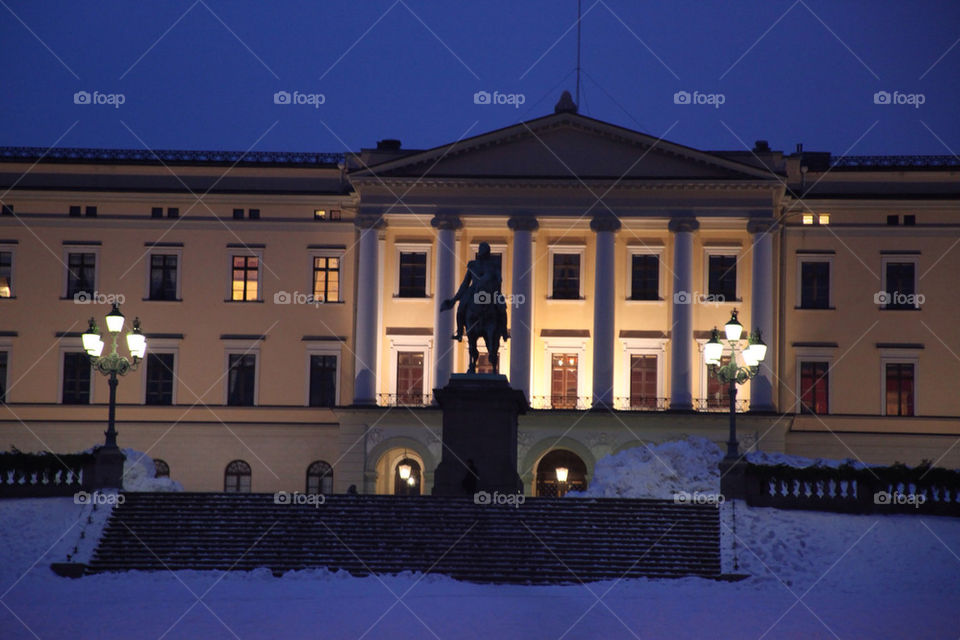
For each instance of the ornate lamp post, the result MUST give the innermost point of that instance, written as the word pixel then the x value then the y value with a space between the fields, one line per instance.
pixel 732 373
pixel 113 364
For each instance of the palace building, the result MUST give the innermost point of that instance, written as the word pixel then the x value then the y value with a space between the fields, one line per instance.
pixel 291 301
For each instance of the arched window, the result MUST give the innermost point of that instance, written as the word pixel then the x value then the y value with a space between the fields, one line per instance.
pixel 409 486
pixel 236 479
pixel 549 485
pixel 320 478
pixel 163 469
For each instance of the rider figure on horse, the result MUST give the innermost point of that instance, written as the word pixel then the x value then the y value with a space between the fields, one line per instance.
pixel 481 285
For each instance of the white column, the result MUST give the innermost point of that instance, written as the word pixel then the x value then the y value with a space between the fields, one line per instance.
pixel 761 311
pixel 681 335
pixel 605 227
pixel 368 292
pixel 446 286
pixel 521 309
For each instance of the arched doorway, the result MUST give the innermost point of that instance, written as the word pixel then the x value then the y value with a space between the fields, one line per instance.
pixel 407 478
pixel 548 483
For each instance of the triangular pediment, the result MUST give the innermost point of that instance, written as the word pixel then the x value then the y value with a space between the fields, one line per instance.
pixel 565 146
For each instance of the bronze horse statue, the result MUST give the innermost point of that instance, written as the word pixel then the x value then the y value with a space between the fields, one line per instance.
pixel 481 312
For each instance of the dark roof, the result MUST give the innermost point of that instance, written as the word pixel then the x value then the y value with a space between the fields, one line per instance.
pixel 895 162
pixel 172 157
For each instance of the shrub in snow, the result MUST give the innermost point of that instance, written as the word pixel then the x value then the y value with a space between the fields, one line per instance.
pixel 140 474
pixel 657 471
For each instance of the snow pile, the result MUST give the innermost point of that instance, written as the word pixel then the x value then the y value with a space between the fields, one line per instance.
pixel 657 471
pixel 140 474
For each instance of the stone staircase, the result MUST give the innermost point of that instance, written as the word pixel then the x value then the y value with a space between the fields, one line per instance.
pixel 543 540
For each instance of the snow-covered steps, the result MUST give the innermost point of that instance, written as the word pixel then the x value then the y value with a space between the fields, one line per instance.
pixel 542 540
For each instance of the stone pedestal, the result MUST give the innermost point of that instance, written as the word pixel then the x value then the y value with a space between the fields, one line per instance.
pixel 106 472
pixel 479 435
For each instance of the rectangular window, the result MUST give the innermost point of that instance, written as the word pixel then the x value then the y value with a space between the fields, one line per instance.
pixel 722 276
pixel 410 377
pixel 645 277
pixel 814 387
pixel 323 380
pixel 6 274
pixel 156 212
pixel 242 379
pixel 566 276
pixel 246 278
pixel 326 279
pixel 643 382
pixel 163 277
pixel 76 378
pixel 3 376
pixel 718 393
pixel 899 391
pixel 563 380
pixel 901 285
pixel 238 214
pixel 815 285
pixel 413 274
pixel 81 273
pixel 159 378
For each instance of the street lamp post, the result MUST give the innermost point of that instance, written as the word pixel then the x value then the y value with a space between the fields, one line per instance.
pixel 113 365
pixel 733 373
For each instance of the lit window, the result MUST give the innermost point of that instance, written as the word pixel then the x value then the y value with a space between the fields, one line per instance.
pixel 824 218
pixel 319 214
pixel 563 382
pixel 808 218
pixel 6 274
pixel 246 277
pixel 326 279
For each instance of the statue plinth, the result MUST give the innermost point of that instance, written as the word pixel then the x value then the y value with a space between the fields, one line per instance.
pixel 479 435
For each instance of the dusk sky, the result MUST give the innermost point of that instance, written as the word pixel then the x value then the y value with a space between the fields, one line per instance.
pixel 202 74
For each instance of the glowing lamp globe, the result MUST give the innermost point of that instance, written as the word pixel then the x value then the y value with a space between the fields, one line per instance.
pixel 115 320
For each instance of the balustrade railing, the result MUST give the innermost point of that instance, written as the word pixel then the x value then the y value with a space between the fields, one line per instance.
pixel 405 399
pixel 848 489
pixel 43 474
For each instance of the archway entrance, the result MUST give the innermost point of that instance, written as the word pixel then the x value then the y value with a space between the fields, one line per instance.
pixel 549 485
pixel 407 478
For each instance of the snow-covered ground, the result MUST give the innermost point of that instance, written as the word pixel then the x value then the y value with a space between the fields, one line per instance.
pixel 813 575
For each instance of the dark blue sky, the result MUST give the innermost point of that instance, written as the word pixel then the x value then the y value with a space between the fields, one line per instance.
pixel 202 74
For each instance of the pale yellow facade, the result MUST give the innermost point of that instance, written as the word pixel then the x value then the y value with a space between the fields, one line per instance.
pixel 558 175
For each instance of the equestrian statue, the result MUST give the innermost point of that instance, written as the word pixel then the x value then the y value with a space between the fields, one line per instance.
pixel 481 308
